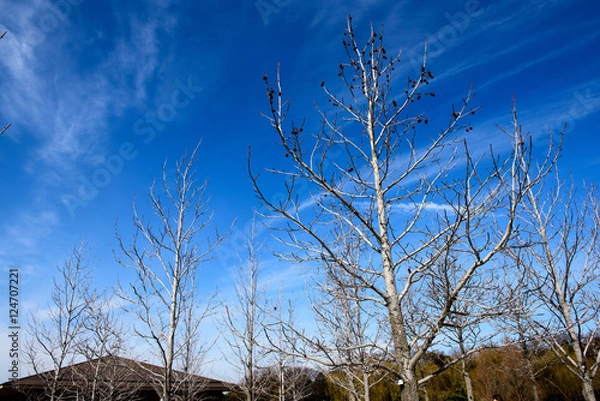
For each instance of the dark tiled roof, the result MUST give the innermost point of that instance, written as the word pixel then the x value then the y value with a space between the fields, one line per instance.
pixel 138 374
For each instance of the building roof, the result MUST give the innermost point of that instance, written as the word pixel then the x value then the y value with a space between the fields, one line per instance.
pixel 136 374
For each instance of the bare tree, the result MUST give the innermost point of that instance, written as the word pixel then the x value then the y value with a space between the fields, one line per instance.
pixel 563 267
pixel 284 342
pixel 483 301
pixel 523 305
pixel 53 338
pixel 193 348
pixel 350 339
pixel 103 375
pixel 292 381
pixel 297 381
pixel 244 318
pixel 102 334
pixel 166 258
pixel 109 378
pixel 348 325
pixel 412 199
pixel 81 326
pixel 464 330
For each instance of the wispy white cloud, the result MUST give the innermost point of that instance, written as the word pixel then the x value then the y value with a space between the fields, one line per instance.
pixel 565 107
pixel 22 234
pixel 507 20
pixel 135 57
pixel 548 56
pixel 25 245
pixel 427 206
pixel 64 108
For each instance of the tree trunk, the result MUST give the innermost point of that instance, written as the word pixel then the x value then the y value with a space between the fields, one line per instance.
pixel 588 390
pixel 468 385
pixel 463 365
pixel 410 389
pixel 367 386
pixel 531 374
pixel 410 392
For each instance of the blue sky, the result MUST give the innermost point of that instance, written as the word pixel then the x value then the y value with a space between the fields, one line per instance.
pixel 100 93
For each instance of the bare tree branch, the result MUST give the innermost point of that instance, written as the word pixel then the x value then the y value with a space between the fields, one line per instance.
pixel 426 209
pixel 166 259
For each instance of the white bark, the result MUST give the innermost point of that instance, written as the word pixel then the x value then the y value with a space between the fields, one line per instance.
pixel 523 306
pixel 103 375
pixel 55 338
pixel 414 201
pixel 564 271
pixel 243 320
pixel 165 259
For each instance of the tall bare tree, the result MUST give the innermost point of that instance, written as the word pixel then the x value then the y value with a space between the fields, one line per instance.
pixel 103 374
pixel 465 330
pixel 523 305
pixel 412 199
pixel 563 266
pixel 350 338
pixel 484 300
pixel 354 350
pixel 193 348
pixel 244 318
pixel 287 366
pixel 165 256
pixel 53 338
